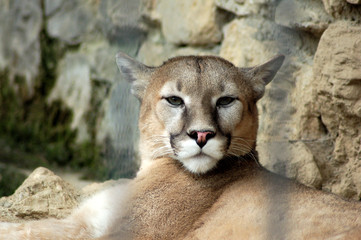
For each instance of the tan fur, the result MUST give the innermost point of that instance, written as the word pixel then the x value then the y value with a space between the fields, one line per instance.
pixel 236 198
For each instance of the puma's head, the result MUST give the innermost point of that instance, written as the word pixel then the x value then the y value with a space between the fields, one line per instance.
pixel 197 110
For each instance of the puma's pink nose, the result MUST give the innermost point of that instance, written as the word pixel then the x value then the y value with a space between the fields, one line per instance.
pixel 201 137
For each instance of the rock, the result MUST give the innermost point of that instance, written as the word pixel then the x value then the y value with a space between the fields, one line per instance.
pixel 84 82
pixel 120 21
pixel 72 22
pixel 338 91
pixel 242 45
pixel 306 15
pixel 295 161
pixel 42 195
pixel 45 195
pixel 354 1
pixel 251 41
pixel 52 6
pixel 242 7
pixel 342 9
pixel 154 51
pixel 20 26
pixel 100 57
pixel 180 27
pixel 73 88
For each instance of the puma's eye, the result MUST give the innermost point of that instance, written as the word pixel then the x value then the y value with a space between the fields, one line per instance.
pixel 224 101
pixel 176 101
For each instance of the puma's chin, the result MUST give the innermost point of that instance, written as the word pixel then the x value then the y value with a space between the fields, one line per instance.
pixel 200 163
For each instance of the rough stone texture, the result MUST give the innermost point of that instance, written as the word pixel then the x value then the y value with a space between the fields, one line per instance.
pixel 73 87
pixel 69 21
pixel 337 88
pixel 52 6
pixel 20 25
pixel 42 195
pixel 242 7
pixel 155 50
pixel 342 9
pixel 354 1
pixel 45 195
pixel 306 15
pixel 180 27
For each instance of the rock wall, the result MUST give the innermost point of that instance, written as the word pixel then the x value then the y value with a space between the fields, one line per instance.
pixel 310 116
pixel 62 98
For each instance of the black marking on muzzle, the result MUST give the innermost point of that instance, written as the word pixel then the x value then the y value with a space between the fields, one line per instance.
pixel 229 139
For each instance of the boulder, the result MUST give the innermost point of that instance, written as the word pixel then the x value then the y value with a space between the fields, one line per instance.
pixel 191 22
pixel 73 88
pixel 306 15
pixel 70 21
pixel 337 89
pixel 46 195
pixel 342 9
pixel 42 195
pixel 354 1
pixel 243 8
pixel 20 26
pixel 154 51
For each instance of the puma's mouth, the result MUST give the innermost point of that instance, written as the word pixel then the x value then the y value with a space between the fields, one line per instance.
pixel 199 160
pixel 201 163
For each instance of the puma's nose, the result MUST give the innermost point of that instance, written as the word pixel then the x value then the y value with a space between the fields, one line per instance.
pixel 201 137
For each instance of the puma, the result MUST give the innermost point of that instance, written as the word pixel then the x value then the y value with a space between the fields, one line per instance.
pixel 200 177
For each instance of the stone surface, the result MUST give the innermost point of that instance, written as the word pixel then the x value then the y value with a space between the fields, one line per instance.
pixel 180 27
pixel 73 88
pixel 354 1
pixel 337 89
pixel 306 15
pixel 342 9
pixel 42 195
pixel 45 195
pixel 20 25
pixel 243 7
pixel 120 22
pixel 72 21
pixel 154 51
pixel 52 6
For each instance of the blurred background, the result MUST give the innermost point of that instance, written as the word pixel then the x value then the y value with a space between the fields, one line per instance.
pixel 64 106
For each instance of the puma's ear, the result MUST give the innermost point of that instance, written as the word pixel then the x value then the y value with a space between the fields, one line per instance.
pixel 263 74
pixel 134 72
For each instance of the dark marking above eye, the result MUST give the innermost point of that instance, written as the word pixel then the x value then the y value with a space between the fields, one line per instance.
pixel 179 86
pixel 222 87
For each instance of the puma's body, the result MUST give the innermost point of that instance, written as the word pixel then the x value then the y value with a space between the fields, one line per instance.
pixel 238 201
pixel 200 178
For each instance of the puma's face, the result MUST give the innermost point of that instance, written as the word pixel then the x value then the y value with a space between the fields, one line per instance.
pixel 197 110
pixel 200 104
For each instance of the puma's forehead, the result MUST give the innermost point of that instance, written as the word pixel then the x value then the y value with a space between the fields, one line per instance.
pixel 199 74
